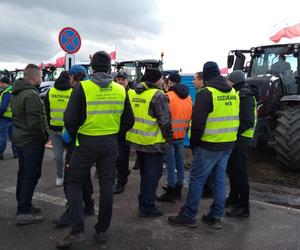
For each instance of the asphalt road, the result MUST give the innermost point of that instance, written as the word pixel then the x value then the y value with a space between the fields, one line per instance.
pixel 272 224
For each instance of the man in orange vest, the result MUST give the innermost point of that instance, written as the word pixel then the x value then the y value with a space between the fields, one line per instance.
pixel 181 113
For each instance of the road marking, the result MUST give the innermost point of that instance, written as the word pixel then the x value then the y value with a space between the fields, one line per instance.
pixel 62 201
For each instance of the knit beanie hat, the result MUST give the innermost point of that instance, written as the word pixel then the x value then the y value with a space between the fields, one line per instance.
pixel 175 77
pixel 76 69
pixel 210 71
pixel 152 75
pixel 5 79
pixel 236 76
pixel 101 62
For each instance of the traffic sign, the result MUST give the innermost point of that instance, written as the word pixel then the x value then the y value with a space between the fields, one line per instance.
pixel 69 40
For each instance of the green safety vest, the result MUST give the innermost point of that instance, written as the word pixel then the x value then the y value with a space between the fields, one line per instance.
pixel 104 107
pixel 223 122
pixel 146 130
pixel 58 100
pixel 7 113
pixel 250 132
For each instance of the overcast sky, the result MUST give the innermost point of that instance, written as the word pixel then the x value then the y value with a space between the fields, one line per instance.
pixel 189 32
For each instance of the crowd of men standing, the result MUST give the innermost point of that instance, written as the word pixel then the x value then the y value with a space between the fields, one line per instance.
pixel 98 118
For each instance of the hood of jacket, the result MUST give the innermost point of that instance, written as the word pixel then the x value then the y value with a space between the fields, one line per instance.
pixel 62 83
pixel 140 88
pixel 219 83
pixel 21 85
pixel 181 90
pixel 102 79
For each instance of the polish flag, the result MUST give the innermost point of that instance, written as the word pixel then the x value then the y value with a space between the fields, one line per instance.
pixel 58 60
pixel 288 28
pixel 113 55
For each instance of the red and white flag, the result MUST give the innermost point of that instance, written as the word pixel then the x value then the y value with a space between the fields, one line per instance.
pixel 113 55
pixel 288 28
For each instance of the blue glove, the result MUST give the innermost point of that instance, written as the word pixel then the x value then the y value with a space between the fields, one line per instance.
pixel 66 136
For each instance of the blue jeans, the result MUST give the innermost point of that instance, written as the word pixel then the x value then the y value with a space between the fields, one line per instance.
pixel 206 162
pixel 174 158
pixel 151 165
pixel 6 131
pixel 30 167
pixel 58 149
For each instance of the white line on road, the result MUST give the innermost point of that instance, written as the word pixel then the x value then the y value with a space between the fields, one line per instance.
pixel 62 201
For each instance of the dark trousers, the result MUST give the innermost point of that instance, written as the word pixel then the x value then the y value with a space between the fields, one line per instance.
pixel 151 165
pixel 238 176
pixel 87 186
pixel 123 163
pixel 81 162
pixel 30 165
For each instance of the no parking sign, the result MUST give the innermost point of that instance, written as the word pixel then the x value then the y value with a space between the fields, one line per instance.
pixel 69 40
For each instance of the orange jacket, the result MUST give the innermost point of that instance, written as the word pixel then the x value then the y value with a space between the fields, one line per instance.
pixel 181 113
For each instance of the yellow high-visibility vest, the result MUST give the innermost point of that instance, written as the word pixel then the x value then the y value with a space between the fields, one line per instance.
pixel 223 122
pixel 146 130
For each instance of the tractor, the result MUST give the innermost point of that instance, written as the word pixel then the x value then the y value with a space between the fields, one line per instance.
pixel 136 68
pixel 275 70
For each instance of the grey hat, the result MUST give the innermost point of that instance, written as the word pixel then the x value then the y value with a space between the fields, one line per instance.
pixel 236 76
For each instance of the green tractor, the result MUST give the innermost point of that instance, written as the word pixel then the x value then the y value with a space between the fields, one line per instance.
pixel 135 69
pixel 275 70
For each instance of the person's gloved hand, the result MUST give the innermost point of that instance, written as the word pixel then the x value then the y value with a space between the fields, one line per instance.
pixel 66 136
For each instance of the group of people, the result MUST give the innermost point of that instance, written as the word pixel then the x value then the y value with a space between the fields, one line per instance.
pixel 99 118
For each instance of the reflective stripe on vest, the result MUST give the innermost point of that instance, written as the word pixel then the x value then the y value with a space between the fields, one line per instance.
pixel 223 122
pixel 7 113
pixel 146 130
pixel 250 132
pixel 104 107
pixel 58 100
pixel 181 113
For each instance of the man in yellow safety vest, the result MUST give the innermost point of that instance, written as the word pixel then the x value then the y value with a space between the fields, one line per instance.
pixel 215 122
pixel 98 111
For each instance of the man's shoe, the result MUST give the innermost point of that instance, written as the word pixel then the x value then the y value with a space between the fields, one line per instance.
pixel 167 196
pixel 26 219
pixel 59 181
pixel 182 220
pixel 35 209
pixel 89 210
pixel 63 220
pixel 153 214
pixel 212 222
pixel 119 188
pixel 69 239
pixel 238 211
pixel 177 191
pixel 101 237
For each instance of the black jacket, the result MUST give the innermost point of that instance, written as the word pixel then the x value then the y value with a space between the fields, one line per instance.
pixel 159 109
pixel 203 106
pixel 61 83
pixel 181 90
pixel 247 95
pixel 75 116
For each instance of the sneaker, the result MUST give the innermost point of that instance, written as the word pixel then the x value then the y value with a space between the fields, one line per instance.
pixel 153 214
pixel 26 219
pixel 167 196
pixel 89 211
pixel 182 220
pixel 63 220
pixel 35 209
pixel 59 181
pixel 101 237
pixel 119 188
pixel 212 222
pixel 69 239
pixel 238 211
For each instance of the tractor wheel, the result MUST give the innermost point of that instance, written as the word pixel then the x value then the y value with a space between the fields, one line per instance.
pixel 287 138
